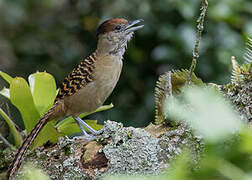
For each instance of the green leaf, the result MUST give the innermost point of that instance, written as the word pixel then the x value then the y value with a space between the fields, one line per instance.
pixel 179 77
pixel 68 126
pixel 70 119
pixel 43 89
pixel 13 130
pixel 6 77
pixel 71 127
pixel 5 92
pixel 34 101
pixel 48 133
pixel 21 97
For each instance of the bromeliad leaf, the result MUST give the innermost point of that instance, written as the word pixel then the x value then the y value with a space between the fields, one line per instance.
pixel 43 89
pixel 21 97
pixel 5 92
pixel 6 77
pixel 16 135
pixel 48 133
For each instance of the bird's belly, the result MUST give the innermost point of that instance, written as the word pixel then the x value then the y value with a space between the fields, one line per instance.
pixel 85 100
pixel 106 85
pixel 94 94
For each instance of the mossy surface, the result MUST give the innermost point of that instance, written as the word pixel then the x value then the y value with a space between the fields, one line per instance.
pixel 118 150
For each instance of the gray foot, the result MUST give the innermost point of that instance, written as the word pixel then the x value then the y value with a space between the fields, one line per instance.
pixel 85 134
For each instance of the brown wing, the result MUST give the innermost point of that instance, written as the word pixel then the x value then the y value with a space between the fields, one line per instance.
pixel 78 78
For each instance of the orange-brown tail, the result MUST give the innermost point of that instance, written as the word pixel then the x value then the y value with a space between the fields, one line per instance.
pixel 27 142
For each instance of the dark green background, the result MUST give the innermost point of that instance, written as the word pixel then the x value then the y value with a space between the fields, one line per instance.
pixel 54 35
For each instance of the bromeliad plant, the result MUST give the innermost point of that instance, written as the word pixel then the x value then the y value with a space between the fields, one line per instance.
pixel 33 100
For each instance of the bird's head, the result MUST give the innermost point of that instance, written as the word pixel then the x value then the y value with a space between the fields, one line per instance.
pixel 114 34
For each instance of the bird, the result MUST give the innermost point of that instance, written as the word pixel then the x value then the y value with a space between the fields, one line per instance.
pixel 89 84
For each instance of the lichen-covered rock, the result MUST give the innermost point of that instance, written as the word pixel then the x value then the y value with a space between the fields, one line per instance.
pixel 61 161
pixel 131 150
pixel 145 151
pixel 241 97
pixel 118 150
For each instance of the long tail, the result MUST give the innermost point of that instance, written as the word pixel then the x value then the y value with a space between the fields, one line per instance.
pixel 27 142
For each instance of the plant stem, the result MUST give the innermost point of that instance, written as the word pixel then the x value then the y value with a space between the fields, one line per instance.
pixel 200 28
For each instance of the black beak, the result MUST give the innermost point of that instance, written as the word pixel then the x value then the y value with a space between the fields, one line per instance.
pixel 132 28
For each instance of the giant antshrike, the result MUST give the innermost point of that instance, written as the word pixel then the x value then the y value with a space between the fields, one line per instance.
pixel 89 85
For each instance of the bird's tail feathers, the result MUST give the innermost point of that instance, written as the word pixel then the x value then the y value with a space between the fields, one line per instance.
pixel 26 144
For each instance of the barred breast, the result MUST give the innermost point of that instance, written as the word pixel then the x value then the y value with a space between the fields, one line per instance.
pixel 105 75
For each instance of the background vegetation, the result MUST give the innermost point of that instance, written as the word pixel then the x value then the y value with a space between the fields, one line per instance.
pixel 55 35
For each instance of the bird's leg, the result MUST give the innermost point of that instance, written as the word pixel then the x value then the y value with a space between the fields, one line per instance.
pixel 80 121
pixel 84 133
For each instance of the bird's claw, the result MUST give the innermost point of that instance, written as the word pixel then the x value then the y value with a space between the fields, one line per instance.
pixel 85 135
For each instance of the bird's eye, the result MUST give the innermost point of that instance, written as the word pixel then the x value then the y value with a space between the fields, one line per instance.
pixel 118 27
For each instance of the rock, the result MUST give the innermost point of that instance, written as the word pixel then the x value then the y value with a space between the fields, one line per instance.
pixel 118 150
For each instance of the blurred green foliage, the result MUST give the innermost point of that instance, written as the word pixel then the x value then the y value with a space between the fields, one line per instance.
pixel 55 35
pixel 29 172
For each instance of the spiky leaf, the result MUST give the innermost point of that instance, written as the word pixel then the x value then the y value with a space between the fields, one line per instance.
pixel 178 80
pixel 248 54
pixel 13 130
pixel 236 71
pixel 21 97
